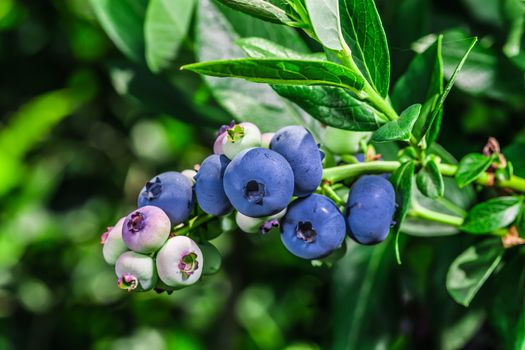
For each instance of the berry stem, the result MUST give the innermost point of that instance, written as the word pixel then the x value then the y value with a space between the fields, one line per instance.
pixel 330 193
pixel 340 173
pixel 192 224
pixel 368 93
pixel 421 212
pixel 343 172
pixel 418 211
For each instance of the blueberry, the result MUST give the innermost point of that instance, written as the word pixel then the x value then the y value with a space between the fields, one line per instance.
pixel 266 139
pixel 172 192
pixel 341 141
pixel 370 209
pixel 135 272
pixel 217 145
pixel 113 245
pixel 259 182
pixel 240 137
pixel 313 227
pixel 299 148
pixel 146 229
pixel 221 134
pixel 209 189
pixel 179 262
pixel 258 225
pixel 360 157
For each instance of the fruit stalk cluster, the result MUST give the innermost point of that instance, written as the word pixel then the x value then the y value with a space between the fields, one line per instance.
pixel 272 181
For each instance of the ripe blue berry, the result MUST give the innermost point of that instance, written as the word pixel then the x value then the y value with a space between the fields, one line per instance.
pixel 113 245
pixel 179 262
pixel 240 137
pixel 299 148
pixel 313 227
pixel 259 182
pixel 135 272
pixel 170 191
pixel 209 189
pixel 370 209
pixel 146 229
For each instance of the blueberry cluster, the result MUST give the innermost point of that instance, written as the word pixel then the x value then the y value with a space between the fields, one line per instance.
pixel 270 180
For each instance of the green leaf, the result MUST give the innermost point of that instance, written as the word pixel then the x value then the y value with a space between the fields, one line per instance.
pixel 402 179
pixel 520 222
pixel 246 101
pixel 165 28
pixel 486 72
pixel 472 268
pixel 459 332
pixel 433 124
pixel 471 167
pixel 515 15
pixel 281 71
pixel 247 26
pixel 422 80
pixel 430 181
pixel 362 315
pixel 261 9
pixel 332 106
pixel 491 215
pixel 454 202
pixel 364 34
pixel 262 48
pixel 157 95
pixel 324 16
pixel 519 342
pixel 123 22
pixel 28 126
pixel 400 129
pixel 514 153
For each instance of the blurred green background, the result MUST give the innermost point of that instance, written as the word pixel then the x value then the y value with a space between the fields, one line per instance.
pixel 83 127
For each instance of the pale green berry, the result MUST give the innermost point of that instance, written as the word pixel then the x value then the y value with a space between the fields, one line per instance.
pixel 341 141
pixel 179 262
pixel 113 245
pixel 135 271
pixel 240 137
pixel 266 138
pixel 257 225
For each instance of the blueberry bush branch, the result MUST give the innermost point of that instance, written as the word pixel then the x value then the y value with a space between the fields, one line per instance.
pixel 343 172
pixel 319 179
